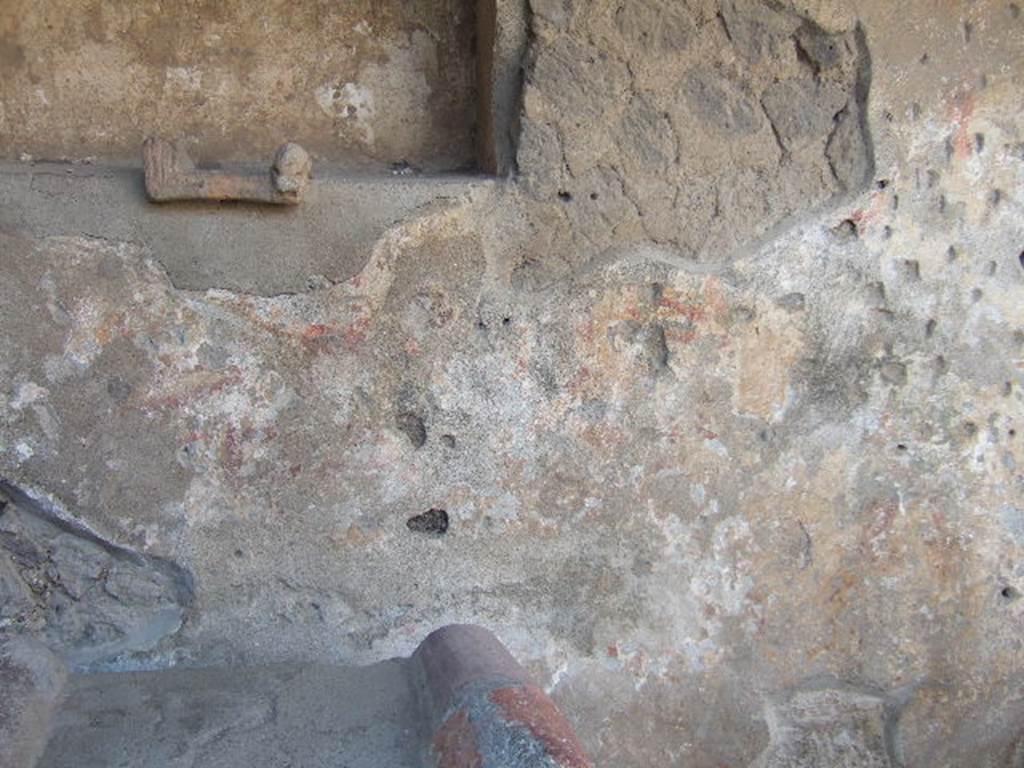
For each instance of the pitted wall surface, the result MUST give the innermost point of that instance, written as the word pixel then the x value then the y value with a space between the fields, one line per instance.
pixel 740 480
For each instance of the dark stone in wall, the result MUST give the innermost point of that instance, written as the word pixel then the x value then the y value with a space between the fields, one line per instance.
pixel 721 103
pixel 89 600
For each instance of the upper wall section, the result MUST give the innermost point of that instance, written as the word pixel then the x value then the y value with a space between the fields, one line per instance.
pixel 361 84
pixel 701 124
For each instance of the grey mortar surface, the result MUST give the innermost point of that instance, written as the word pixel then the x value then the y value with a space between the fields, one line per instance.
pixel 297 715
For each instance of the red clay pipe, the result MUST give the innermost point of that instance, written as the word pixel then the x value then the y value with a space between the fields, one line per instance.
pixel 484 710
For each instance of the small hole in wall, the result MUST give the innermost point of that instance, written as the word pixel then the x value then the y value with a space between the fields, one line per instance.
pixel 1020 258
pixel 433 521
pixel 847 228
pixel 594 196
pixel 901 447
pixel 565 197
pixel 413 427
pixel 1009 593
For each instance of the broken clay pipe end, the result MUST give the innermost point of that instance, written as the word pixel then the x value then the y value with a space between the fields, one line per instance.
pixel 172 175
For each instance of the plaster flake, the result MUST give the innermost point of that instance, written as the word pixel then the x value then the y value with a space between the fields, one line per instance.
pixel 27 394
pixel 768 349
pixel 184 78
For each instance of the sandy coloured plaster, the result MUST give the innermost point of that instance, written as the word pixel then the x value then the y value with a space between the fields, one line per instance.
pixel 362 85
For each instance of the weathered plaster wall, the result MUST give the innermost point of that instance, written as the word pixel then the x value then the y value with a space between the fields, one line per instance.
pixel 358 84
pixel 726 431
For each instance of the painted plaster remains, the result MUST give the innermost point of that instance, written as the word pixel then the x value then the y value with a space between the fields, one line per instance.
pixel 719 394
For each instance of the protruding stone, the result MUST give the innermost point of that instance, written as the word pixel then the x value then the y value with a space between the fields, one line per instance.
pixel 88 599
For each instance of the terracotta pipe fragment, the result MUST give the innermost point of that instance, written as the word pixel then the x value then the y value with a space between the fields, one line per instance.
pixel 172 175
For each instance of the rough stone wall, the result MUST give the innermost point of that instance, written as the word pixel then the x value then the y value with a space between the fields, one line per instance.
pixel 79 594
pixel 725 432
pixel 701 126
pixel 359 84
